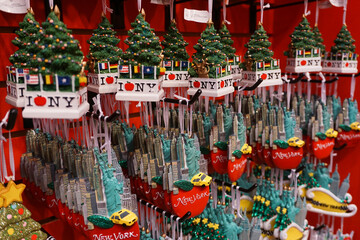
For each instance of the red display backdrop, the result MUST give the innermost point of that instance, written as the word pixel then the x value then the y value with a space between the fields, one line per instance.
pixel 82 16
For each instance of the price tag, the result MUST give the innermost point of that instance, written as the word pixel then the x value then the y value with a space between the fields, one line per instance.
pixel 196 15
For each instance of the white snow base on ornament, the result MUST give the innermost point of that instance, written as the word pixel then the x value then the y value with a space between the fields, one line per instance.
pixel 141 90
pixel 58 105
pixel 176 79
pixel 236 72
pixel 340 66
pixel 103 82
pixel 303 64
pixel 212 87
pixel 15 94
pixel 269 77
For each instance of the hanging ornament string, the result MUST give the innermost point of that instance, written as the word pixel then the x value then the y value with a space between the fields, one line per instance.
pixel 139 5
pixel 27 4
pixel 323 87
pixel 51 4
pixel 210 8
pixel 306 12
pixel 171 9
pixel 262 7
pixel 352 87
pixel 345 9
pixel 225 2
pixel 317 13
pixel 106 8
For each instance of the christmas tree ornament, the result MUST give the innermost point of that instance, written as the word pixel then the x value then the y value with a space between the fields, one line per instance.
pixel 54 88
pixel 258 60
pixel 104 58
pixel 304 54
pixel 28 39
pixel 209 70
pixel 342 57
pixel 176 59
pixel 141 71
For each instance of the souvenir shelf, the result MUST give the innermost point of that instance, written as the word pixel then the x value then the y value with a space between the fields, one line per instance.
pixel 105 81
pixel 269 72
pixel 176 74
pixel 140 83
pixel 16 86
pixel 302 60
pixel 340 63
pixel 61 98
pixel 213 87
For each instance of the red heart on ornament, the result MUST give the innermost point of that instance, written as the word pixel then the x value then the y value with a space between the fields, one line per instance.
pixel 194 201
pixel 288 158
pixel 196 84
pixel 219 160
pixel 236 168
pixel 347 64
pixel 222 84
pixel 263 76
pixel 245 76
pixel 109 80
pixel 329 64
pixel 323 148
pixel 303 62
pixel 171 76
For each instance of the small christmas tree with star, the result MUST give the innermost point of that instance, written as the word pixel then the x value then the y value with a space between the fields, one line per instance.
pixel 227 42
pixel 144 47
pixel 344 43
pixel 175 46
pixel 318 39
pixel 103 46
pixel 303 38
pixel 60 54
pixel 29 36
pixel 15 218
pixel 209 48
pixel 258 49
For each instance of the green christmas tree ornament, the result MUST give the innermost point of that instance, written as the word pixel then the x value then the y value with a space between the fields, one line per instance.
pixel 259 62
pixel 103 47
pixel 304 52
pixel 227 42
pixel 342 57
pixel 318 39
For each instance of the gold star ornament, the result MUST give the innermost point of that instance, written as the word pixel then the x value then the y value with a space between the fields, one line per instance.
pixel 12 193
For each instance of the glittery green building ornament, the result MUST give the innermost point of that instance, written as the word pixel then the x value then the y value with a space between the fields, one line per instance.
pixel 103 45
pixel 27 41
pixel 174 45
pixel 258 49
pixel 209 48
pixel 144 45
pixel 344 42
pixel 227 42
pixel 302 38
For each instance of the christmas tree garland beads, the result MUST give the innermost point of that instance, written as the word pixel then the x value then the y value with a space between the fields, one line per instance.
pixel 303 54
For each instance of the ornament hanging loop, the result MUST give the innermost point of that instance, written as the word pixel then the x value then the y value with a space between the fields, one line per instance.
pixel 139 5
pixel 306 12
pixel 171 10
pixel 106 8
pixel 225 2
pixel 262 7
pixel 345 9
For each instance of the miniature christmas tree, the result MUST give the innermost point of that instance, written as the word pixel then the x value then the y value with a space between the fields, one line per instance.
pixel 209 49
pixel 60 53
pixel 318 39
pixel 344 43
pixel 227 42
pixel 103 45
pixel 15 218
pixel 302 38
pixel 27 41
pixel 258 49
pixel 174 45
pixel 144 45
